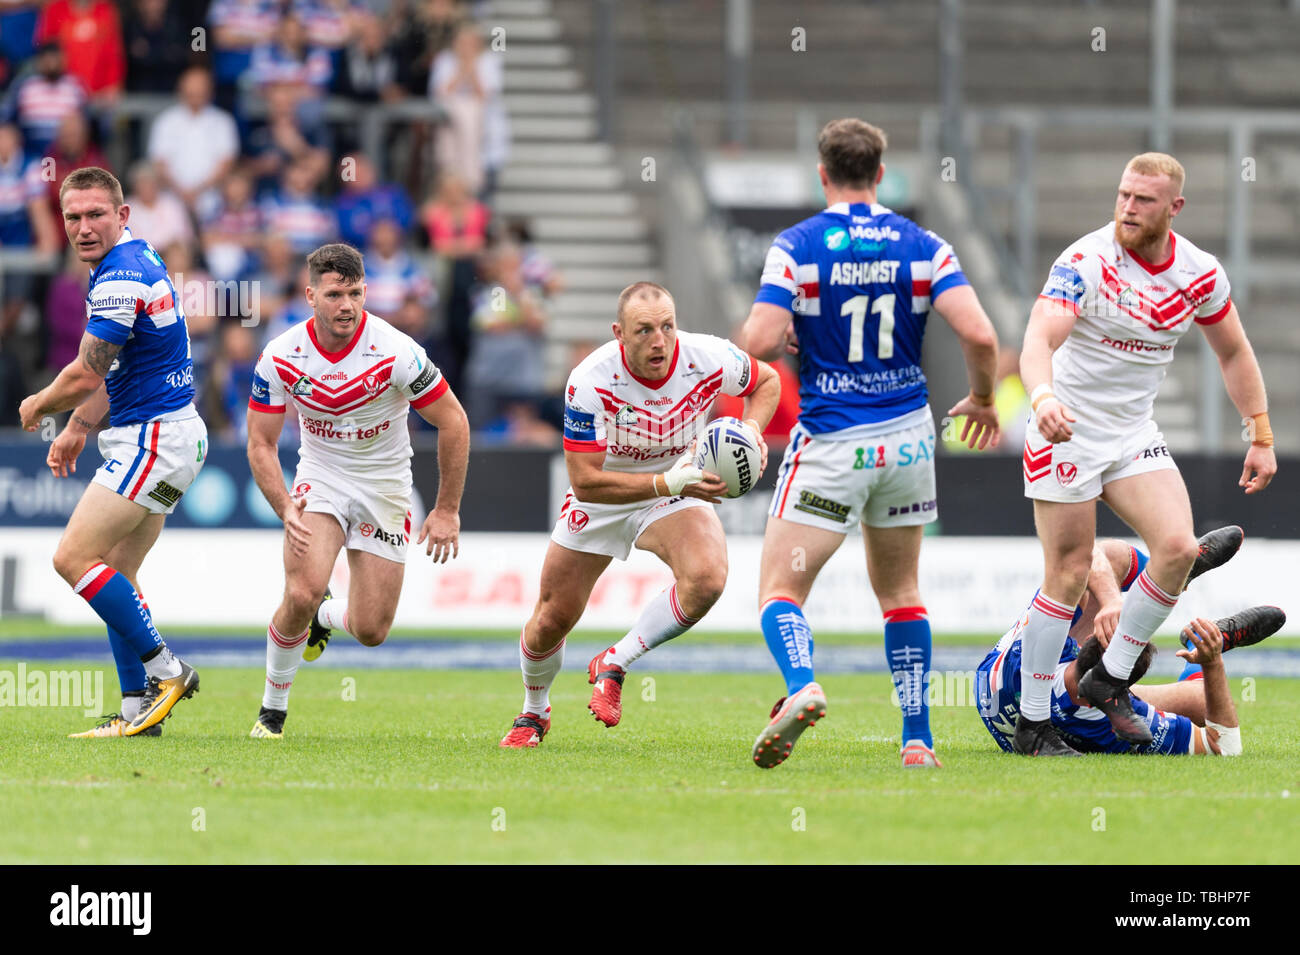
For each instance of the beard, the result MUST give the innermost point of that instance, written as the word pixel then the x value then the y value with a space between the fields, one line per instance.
pixel 1147 236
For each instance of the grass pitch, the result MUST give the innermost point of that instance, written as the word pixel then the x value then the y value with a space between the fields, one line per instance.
pixel 409 771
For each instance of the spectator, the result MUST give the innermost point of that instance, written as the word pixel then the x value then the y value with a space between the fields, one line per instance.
pixel 507 355
pixel 25 218
pixel 198 294
pixel 296 212
pixel 327 24
pixel 392 277
pixel 157 47
pixel 233 233
pixel 65 312
pixel 424 29
pixel 540 274
pixel 520 425
pixel 368 70
pixel 194 144
pixel 41 100
pixel 467 81
pixel 306 71
pixel 18 30
pixel 72 149
pixel 275 279
pixel 25 222
pixel 282 141
pixel 232 376
pixel 457 225
pixel 238 27
pixel 364 201
pixel 157 216
pixel 90 34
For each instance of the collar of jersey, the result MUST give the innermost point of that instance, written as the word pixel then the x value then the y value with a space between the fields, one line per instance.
pixel 651 382
pixel 844 208
pixel 1157 269
pixel 126 236
pixel 336 356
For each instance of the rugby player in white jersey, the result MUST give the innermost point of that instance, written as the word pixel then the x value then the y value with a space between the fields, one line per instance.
pixel 1099 341
pixel 352 377
pixel 633 409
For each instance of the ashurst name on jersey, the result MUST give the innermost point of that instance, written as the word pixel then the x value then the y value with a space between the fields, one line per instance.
pixel 644 425
pixel 859 281
pixel 131 302
pixel 352 404
pixel 1130 315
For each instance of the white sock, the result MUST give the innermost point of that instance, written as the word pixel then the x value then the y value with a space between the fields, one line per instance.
pixel 539 673
pixel 131 707
pixel 1041 642
pixel 162 665
pixel 333 615
pixel 1145 608
pixel 660 621
pixel 283 654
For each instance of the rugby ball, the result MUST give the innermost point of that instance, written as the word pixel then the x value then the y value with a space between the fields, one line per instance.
pixel 728 449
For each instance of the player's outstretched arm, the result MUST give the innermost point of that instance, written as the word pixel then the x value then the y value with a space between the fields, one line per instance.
pixel 86 417
pixel 441 530
pixel 1050 323
pixel 77 382
pixel 1245 385
pixel 767 333
pixel 264 461
pixel 961 309
pixel 1222 734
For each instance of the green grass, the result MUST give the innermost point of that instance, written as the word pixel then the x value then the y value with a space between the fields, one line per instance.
pixel 410 772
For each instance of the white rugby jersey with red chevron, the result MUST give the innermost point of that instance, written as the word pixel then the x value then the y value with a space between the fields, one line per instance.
pixel 644 425
pixel 351 404
pixel 1131 314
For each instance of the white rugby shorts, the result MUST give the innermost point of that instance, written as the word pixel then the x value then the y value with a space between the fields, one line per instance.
pixel 1077 470
pixel 612 529
pixel 377 522
pixel 153 463
pixel 881 481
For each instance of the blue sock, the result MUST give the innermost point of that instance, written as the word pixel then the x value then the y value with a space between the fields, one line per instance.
pixel 790 639
pixel 111 596
pixel 130 671
pixel 907 648
pixel 1190 671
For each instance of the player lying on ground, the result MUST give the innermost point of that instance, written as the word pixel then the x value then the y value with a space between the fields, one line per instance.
pixel 634 405
pixel 135 365
pixel 852 288
pixel 1099 341
pixel 1193 715
pixel 352 377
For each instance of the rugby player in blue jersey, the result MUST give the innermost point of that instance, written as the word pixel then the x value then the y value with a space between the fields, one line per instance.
pixel 1192 716
pixel 134 364
pixel 851 289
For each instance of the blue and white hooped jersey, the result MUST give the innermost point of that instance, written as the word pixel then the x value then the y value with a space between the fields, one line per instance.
pixel 132 303
pixel 859 281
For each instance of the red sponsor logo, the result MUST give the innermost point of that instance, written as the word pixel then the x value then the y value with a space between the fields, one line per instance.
pixel 1077 257
pixel 577 520
pixel 665 400
pixel 1065 473
pixel 366 529
pixel 301 489
pixel 1044 676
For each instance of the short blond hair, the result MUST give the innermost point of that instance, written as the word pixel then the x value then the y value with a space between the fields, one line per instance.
pixel 1159 164
pixel 640 290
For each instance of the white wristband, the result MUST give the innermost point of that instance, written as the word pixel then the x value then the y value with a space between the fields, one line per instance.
pixel 1229 738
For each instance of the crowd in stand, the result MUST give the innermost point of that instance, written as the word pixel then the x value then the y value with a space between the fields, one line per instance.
pixel 242 173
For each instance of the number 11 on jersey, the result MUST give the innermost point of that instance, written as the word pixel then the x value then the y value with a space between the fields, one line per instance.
pixel 856 309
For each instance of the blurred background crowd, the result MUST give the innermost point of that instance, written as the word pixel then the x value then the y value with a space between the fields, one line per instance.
pixel 247 154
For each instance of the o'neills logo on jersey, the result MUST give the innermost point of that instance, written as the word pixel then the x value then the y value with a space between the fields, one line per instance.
pixel 655 402
pixel 334 376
